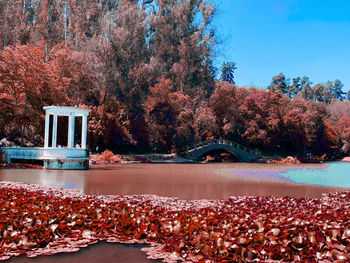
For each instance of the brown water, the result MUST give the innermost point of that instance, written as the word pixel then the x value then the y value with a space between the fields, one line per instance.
pixel 185 181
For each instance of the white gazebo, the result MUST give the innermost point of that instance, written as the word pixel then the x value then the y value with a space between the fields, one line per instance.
pixel 71 113
pixel 70 157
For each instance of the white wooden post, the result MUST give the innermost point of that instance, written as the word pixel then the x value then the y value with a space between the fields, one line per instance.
pixel 71 127
pixel 47 129
pixel 54 131
pixel 83 131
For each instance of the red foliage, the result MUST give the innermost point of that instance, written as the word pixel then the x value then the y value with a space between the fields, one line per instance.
pixel 107 155
pixel 27 84
pixel 205 123
pixel 108 126
pixel 42 221
pixel 168 115
pixel 343 126
pixel 264 118
pixel 74 71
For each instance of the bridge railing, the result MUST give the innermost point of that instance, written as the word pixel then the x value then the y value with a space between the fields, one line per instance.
pixel 225 142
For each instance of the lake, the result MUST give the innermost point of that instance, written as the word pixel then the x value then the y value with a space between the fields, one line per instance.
pixel 195 181
pixel 185 181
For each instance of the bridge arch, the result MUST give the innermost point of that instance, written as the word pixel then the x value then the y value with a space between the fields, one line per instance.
pixel 241 152
pixel 219 154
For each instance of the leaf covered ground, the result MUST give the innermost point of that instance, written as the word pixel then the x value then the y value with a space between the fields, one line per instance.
pixel 37 220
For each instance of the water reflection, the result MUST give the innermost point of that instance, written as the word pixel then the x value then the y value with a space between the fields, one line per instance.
pixel 333 174
pixel 51 178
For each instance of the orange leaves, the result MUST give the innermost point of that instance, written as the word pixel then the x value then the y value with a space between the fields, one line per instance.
pixel 28 85
pixel 169 116
pixel 42 221
pixel 343 127
pixel 331 137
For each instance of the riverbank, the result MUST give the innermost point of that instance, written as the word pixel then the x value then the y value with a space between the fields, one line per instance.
pixel 20 166
pixel 99 160
pixel 111 160
pixel 262 228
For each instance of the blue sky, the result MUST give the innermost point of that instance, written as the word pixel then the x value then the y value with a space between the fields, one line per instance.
pixel 295 37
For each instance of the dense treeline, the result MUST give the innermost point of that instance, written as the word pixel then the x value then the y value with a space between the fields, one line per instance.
pixel 146 70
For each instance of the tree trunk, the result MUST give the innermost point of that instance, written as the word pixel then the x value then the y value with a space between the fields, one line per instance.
pixel 22 135
pixel 48 32
pixel 65 22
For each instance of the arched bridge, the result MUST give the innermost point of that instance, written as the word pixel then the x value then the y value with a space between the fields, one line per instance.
pixel 241 152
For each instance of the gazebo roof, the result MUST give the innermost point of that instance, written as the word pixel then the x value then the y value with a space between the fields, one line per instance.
pixel 67 110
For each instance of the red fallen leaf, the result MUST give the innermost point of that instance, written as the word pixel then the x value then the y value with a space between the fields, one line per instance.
pixel 346 234
pixel 336 246
pixel 275 231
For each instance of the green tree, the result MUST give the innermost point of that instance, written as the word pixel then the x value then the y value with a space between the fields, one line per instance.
pixel 227 72
pixel 336 90
pixel 294 88
pixel 306 90
pixel 279 83
pixel 322 93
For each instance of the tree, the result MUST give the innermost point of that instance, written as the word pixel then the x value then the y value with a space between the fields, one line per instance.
pixel 338 109
pixel 336 90
pixel 75 70
pixel 205 123
pixel 225 107
pixel 26 86
pixel 306 90
pixel 294 130
pixel 16 22
pixel 227 72
pixel 322 93
pixel 279 83
pixel 108 127
pixel 263 117
pixel 180 37
pixel 343 128
pixel 168 115
pixel 294 88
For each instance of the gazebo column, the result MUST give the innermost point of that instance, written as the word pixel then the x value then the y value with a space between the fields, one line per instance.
pixel 71 127
pixel 54 131
pixel 83 131
pixel 47 129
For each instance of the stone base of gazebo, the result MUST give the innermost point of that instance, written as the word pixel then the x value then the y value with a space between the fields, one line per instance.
pixel 67 164
pixel 53 158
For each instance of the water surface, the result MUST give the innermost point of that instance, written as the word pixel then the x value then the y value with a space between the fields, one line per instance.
pixel 195 181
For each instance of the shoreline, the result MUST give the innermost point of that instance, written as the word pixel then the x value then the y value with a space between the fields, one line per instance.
pixel 96 161
pixel 157 158
pixel 346 159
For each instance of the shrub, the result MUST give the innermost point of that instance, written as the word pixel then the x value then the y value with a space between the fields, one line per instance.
pixel 116 159
pixel 107 155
